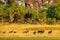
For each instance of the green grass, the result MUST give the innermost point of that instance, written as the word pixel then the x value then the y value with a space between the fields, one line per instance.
pixel 29 38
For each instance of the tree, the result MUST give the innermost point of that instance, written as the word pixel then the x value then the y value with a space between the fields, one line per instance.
pixel 19 13
pixel 58 10
pixel 51 12
pixel 1 13
pixel 11 11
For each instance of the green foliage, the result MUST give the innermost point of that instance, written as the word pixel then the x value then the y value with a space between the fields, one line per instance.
pixel 35 12
pixel 58 11
pixel 1 10
pixel 51 12
pixel 12 12
pixel 51 21
pixel 42 14
pixel 28 15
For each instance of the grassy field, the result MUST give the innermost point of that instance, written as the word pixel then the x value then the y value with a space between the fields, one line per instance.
pixel 29 38
pixel 20 28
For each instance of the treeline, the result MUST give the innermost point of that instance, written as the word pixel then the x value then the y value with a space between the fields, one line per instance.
pixel 14 13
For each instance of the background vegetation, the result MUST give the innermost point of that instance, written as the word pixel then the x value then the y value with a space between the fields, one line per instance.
pixel 14 13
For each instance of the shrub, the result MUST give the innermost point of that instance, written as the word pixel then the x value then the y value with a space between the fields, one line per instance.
pixel 51 12
pixel 51 21
pixel 28 17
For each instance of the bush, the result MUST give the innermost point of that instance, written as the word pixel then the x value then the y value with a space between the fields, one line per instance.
pixel 1 13
pixel 12 12
pixel 51 21
pixel 28 17
pixel 35 17
pixel 51 12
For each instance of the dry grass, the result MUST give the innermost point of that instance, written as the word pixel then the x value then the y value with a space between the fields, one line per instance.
pixel 20 28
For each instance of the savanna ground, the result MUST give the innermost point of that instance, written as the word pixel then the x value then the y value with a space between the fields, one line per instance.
pixel 18 30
